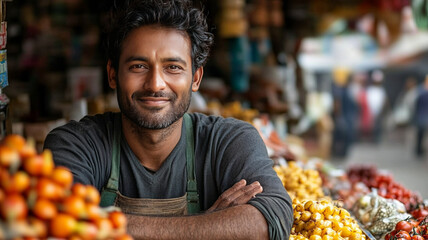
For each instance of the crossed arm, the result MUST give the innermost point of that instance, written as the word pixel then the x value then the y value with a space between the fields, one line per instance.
pixel 229 218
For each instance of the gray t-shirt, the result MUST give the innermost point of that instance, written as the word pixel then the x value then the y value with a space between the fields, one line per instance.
pixel 226 151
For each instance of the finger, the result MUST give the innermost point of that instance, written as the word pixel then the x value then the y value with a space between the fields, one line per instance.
pixel 240 196
pixel 226 194
pixel 245 194
pixel 235 188
pixel 248 194
pixel 242 183
pixel 230 194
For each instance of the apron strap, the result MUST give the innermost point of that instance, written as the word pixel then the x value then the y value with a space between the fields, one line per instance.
pixel 192 190
pixel 109 192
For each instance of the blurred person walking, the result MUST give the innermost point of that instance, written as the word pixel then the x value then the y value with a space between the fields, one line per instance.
pixel 405 107
pixel 345 113
pixel 358 92
pixel 376 100
pixel 421 118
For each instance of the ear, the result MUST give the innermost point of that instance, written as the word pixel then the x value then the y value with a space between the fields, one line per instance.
pixel 197 78
pixel 111 74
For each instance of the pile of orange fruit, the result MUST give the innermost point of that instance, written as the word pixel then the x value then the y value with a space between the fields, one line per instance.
pixel 39 200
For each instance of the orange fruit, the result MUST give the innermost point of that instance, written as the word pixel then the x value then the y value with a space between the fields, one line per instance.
pixel 14 141
pixel 18 143
pixel 62 176
pixel 118 219
pixel 29 149
pixel 33 165
pixel 47 188
pixel 17 183
pixel 79 189
pixel 8 156
pixel 39 164
pixel 48 163
pixel 13 207
pixel 75 206
pixel 62 225
pixel 44 209
pixel 94 212
pixel 92 195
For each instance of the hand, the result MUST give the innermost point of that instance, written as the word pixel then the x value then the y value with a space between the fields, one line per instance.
pixel 239 193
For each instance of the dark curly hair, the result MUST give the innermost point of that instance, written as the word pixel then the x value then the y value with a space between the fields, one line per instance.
pixel 176 14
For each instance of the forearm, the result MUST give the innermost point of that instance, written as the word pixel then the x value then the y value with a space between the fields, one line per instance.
pixel 238 222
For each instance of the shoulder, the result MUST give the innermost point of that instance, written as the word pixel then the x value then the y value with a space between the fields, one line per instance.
pixel 90 121
pixel 204 122
pixel 221 133
pixel 89 127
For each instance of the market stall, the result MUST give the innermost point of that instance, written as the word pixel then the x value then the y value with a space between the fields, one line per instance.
pixel 360 201
pixel 39 201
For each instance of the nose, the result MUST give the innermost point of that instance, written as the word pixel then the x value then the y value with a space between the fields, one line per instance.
pixel 155 81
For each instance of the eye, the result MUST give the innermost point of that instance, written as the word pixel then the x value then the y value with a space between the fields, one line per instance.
pixel 174 68
pixel 137 67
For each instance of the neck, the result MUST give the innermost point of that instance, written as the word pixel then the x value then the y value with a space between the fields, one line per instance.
pixel 151 147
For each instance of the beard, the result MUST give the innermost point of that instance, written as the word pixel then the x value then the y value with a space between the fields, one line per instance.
pixel 153 118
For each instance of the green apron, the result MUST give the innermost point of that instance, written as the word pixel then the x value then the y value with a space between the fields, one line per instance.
pixel 187 204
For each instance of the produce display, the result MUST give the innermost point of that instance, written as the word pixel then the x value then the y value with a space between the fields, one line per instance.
pixel 337 184
pixel 301 184
pixel 420 211
pixel 366 202
pixel 378 214
pixel 384 183
pixel 38 200
pixel 410 228
pixel 316 220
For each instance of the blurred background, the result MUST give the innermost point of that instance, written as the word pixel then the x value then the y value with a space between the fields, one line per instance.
pixel 339 79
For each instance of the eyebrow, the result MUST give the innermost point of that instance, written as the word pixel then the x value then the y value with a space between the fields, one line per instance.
pixel 174 59
pixel 135 58
pixel 144 59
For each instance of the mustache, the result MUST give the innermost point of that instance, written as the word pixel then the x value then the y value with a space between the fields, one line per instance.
pixel 163 94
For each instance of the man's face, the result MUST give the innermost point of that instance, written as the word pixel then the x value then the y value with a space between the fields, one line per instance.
pixel 154 79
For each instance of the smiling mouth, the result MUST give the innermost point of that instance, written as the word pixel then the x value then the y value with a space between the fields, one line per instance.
pixel 153 101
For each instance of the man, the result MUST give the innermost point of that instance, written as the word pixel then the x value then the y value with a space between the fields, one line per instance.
pixel 145 159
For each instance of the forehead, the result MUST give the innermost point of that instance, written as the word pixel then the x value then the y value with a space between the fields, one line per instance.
pixel 156 40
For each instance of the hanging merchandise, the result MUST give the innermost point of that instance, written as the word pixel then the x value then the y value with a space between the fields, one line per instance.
pixel 3 69
pixel 4 107
pixel 240 63
pixel 233 22
pixel 258 32
pixel 233 28
pixel 3 35
pixel 4 100
pixel 3 40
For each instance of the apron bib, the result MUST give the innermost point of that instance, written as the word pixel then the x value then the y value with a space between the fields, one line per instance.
pixel 187 204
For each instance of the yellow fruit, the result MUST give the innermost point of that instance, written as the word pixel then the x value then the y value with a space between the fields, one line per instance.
pixel 306 215
pixel 346 231
pixel 310 225
pixel 317 216
pixel 315 237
